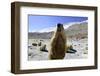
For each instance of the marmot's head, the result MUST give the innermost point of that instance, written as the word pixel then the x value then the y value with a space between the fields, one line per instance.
pixel 60 27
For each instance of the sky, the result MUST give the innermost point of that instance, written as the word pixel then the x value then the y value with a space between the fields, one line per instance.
pixel 37 23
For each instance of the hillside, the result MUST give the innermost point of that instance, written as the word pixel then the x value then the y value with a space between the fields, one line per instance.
pixel 75 30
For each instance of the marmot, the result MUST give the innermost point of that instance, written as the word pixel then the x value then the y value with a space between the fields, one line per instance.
pixel 58 43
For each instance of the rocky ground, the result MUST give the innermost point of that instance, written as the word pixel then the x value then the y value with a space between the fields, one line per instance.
pixel 80 45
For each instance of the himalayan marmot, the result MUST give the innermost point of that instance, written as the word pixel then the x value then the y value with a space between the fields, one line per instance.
pixel 58 43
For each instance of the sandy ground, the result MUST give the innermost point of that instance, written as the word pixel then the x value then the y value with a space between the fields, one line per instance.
pixel 34 52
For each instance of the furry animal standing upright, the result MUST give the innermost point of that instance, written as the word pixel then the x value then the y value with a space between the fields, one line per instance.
pixel 58 44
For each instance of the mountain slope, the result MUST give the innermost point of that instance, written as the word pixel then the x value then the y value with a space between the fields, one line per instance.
pixel 75 30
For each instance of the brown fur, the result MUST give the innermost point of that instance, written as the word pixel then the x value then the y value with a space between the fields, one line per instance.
pixel 58 44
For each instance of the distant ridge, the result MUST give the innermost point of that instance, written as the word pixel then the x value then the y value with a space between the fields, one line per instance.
pixel 72 30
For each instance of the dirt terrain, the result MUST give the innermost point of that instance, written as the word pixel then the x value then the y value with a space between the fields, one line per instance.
pixel 34 52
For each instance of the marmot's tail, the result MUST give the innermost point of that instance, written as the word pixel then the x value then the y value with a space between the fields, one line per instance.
pixel 71 50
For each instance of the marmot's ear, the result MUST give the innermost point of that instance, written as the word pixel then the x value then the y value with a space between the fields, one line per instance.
pixel 59 25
